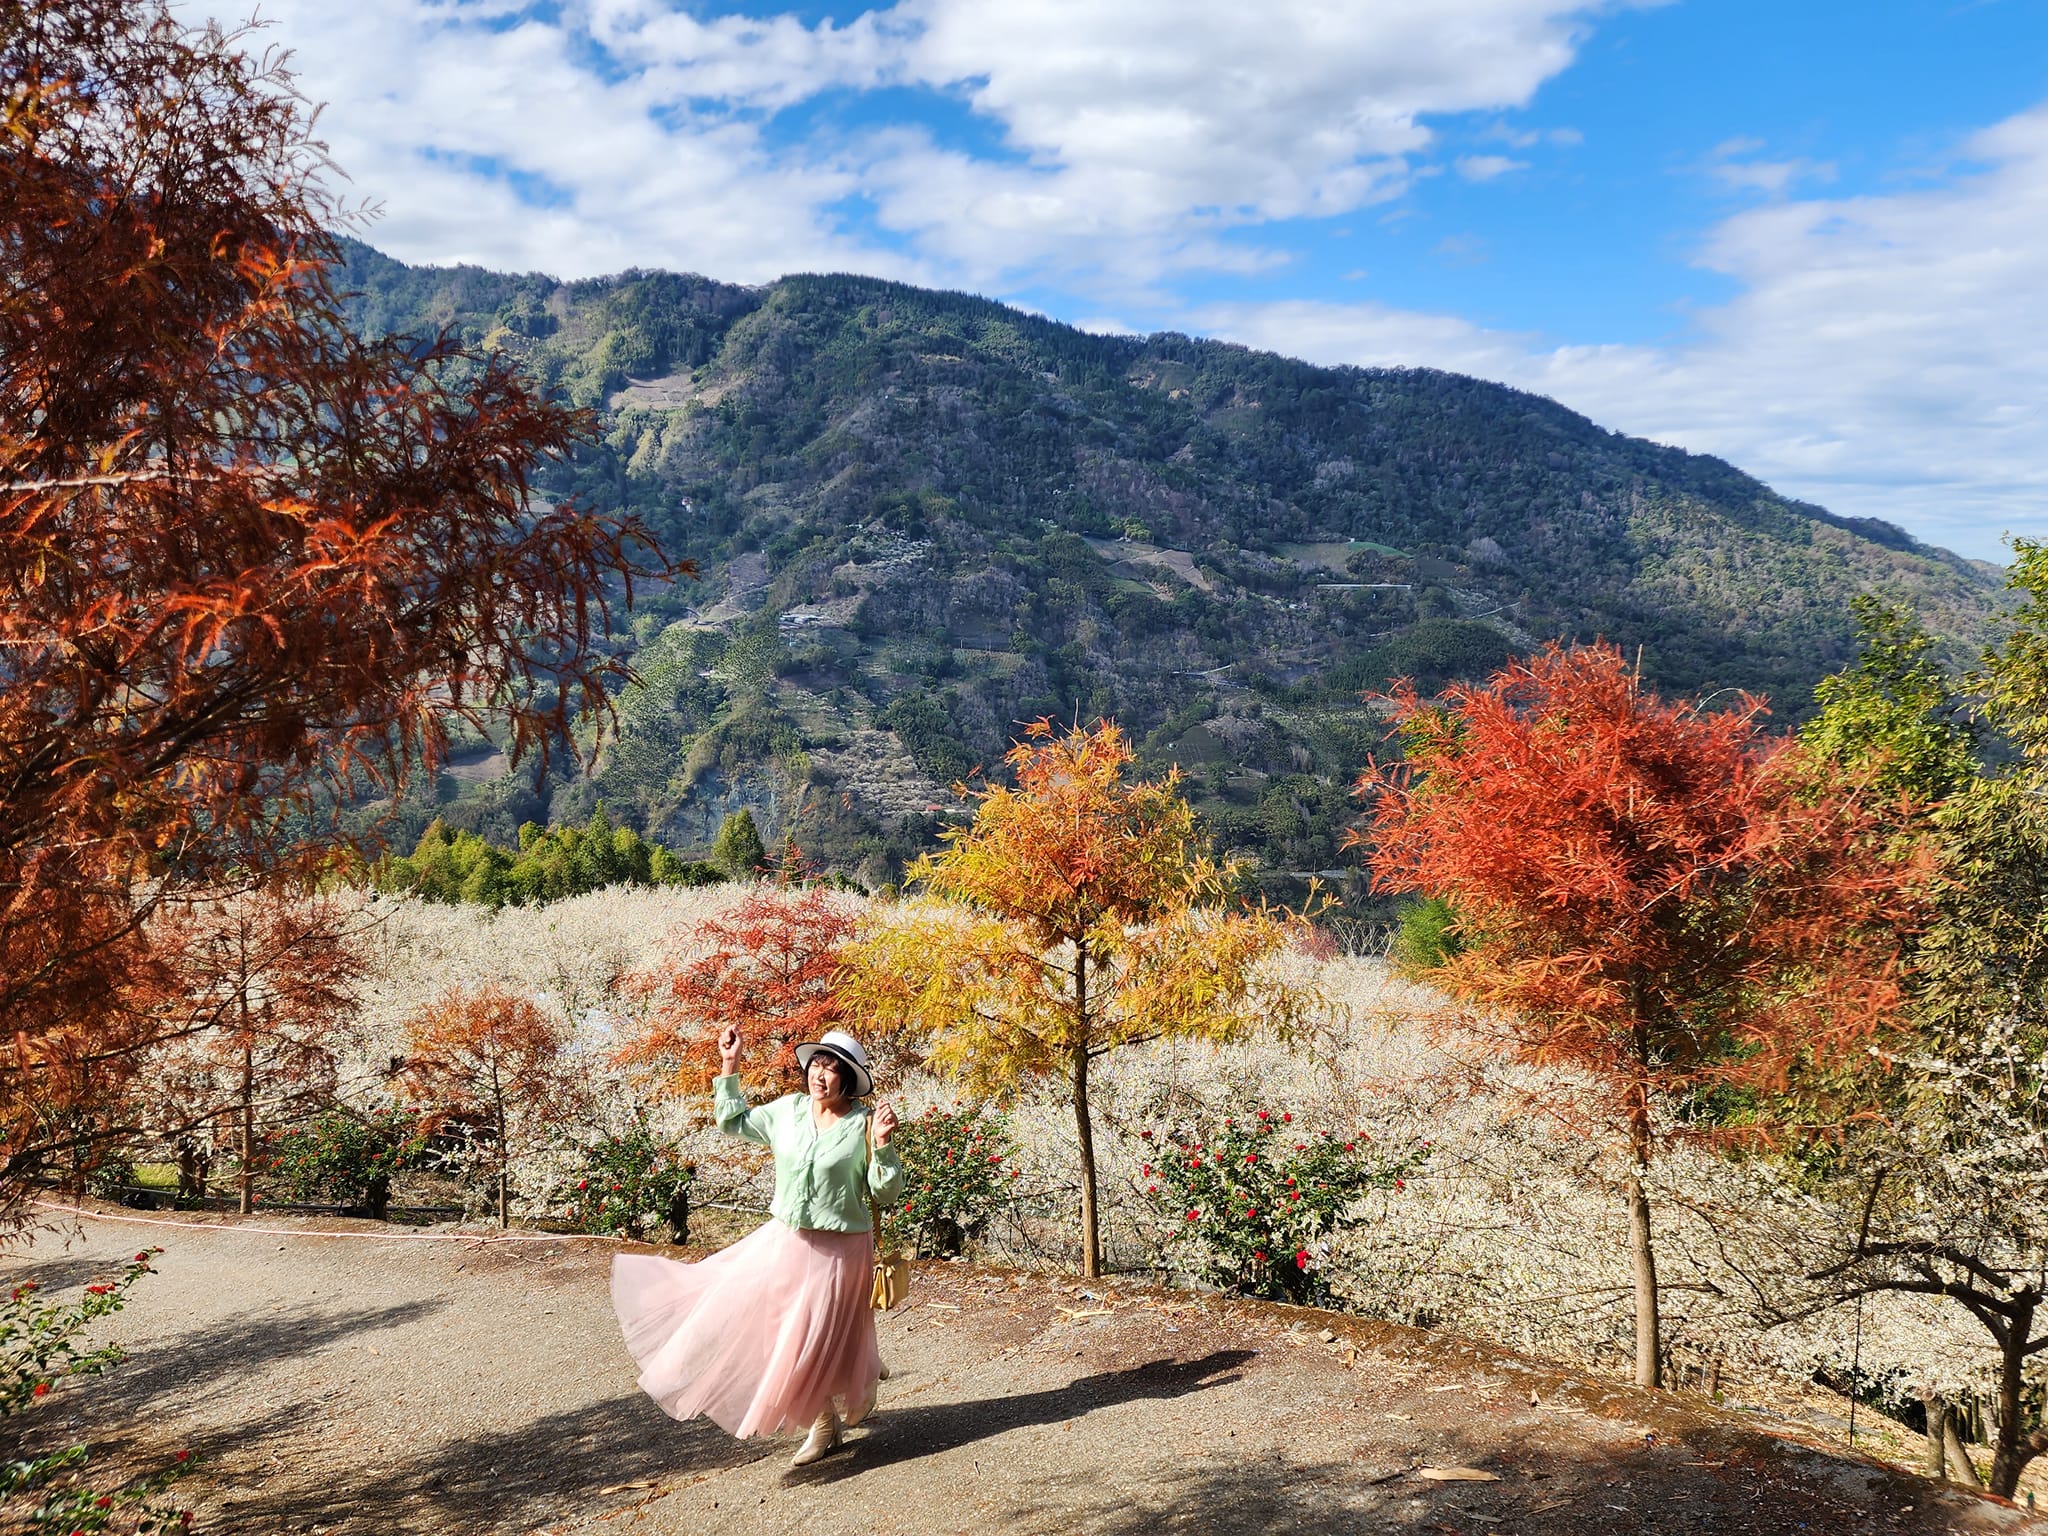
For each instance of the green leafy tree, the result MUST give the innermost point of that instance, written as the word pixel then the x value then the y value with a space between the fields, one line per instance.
pixel 1941 1178
pixel 738 849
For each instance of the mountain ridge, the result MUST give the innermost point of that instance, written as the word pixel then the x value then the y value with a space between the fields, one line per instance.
pixel 924 517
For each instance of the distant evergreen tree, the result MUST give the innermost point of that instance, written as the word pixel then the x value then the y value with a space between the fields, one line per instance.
pixel 738 849
pixel 549 864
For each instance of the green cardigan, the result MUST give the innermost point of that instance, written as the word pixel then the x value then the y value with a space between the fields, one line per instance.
pixel 818 1173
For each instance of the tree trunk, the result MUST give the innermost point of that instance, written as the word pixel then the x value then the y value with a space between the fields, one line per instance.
pixel 1091 1239
pixel 2011 1449
pixel 1960 1467
pixel 248 1180
pixel 1084 1128
pixel 1643 1257
pixel 503 1172
pixel 1937 1434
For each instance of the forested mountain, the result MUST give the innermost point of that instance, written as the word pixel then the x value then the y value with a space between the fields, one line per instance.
pixel 924 518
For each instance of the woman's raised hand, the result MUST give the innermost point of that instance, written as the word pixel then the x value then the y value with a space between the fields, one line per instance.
pixel 885 1123
pixel 729 1050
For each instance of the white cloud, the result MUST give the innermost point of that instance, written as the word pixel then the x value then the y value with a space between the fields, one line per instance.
pixel 1734 166
pixel 1486 167
pixel 595 134
pixel 1882 356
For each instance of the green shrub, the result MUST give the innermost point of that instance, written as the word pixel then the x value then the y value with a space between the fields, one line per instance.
pixel 346 1158
pixel 1425 936
pixel 959 1166
pixel 631 1182
pixel 40 1347
pixel 1252 1206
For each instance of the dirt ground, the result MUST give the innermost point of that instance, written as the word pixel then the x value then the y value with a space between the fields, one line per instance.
pixel 375 1383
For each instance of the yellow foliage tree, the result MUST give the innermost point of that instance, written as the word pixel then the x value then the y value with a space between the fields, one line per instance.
pixel 1076 915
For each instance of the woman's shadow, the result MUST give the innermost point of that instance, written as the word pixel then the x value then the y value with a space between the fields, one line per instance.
pixel 904 1434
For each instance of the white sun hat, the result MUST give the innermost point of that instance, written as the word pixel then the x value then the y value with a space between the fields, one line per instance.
pixel 838 1043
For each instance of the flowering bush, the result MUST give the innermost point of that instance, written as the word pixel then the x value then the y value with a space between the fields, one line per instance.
pixel 627 1183
pixel 958 1167
pixel 1253 1205
pixel 347 1158
pixel 39 1347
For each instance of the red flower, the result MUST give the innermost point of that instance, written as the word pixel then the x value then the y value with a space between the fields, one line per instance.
pixel 1350 1146
pixel 1144 1135
pixel 1285 1117
pixel 1251 1157
pixel 995 1159
pixel 97 1290
pixel 1148 1170
pixel 104 1501
pixel 1016 1173
pixel 1293 1197
pixel 583 1183
pixel 1264 1116
pixel 1400 1183
pixel 1250 1211
pixel 143 1257
pixel 184 1455
pixel 1194 1215
pixel 1301 1258
pixel 1151 1189
pixel 42 1387
pixel 1259 1254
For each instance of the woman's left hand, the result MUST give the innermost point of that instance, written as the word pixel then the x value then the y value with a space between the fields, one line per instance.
pixel 885 1124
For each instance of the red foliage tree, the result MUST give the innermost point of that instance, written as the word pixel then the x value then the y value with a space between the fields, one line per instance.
pixel 1658 896
pixel 771 965
pixel 492 1062
pixel 250 562
pixel 267 991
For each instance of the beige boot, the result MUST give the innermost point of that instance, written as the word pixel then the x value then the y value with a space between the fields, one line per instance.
pixel 858 1412
pixel 822 1441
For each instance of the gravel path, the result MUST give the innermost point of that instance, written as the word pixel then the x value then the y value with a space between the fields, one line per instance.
pixel 377 1384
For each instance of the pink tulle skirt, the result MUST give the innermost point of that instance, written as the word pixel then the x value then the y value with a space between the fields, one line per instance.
pixel 759 1337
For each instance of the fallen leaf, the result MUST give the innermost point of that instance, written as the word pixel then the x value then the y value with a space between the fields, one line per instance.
pixel 1456 1475
pixel 645 1482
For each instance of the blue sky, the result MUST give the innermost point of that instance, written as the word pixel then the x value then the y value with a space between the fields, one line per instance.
pixel 1808 236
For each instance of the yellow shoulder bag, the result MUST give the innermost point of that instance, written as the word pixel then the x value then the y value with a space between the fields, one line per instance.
pixel 892 1268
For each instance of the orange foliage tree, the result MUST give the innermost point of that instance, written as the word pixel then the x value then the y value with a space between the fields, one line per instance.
pixel 771 965
pixel 266 993
pixel 490 1063
pixel 1661 897
pixel 250 562
pixel 1075 916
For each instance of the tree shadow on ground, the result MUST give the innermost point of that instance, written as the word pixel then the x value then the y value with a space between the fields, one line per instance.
pixel 905 1434
pixel 514 1479
pixel 1585 1491
pixel 59 1274
pixel 161 1368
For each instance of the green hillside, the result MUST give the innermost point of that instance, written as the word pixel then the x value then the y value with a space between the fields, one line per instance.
pixel 924 517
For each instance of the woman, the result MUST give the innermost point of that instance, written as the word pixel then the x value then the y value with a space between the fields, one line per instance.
pixel 770 1333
